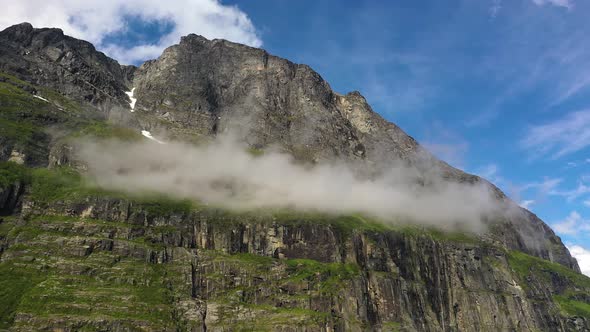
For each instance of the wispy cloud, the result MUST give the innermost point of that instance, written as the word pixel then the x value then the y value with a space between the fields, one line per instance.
pixel 539 190
pixel 560 3
pixel 573 194
pixel 573 224
pixel 546 186
pixel 567 135
pixel 555 68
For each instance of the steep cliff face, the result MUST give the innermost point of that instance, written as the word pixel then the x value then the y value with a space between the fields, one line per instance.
pixel 76 257
pixel 195 268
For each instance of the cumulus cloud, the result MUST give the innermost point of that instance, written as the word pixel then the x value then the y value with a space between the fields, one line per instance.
pixel 582 255
pixel 567 135
pixel 95 20
pixel 224 173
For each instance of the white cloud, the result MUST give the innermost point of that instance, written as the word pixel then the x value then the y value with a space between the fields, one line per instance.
pixel 573 224
pixel 223 173
pixel 546 186
pixel 573 194
pixel 582 255
pixel 94 20
pixel 559 3
pixel 567 135
pixel 527 203
pixel 586 202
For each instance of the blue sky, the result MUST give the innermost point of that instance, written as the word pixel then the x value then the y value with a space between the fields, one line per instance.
pixel 498 88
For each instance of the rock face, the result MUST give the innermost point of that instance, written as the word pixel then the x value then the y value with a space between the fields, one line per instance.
pixel 224 271
pixel 83 259
pixel 212 86
pixel 73 67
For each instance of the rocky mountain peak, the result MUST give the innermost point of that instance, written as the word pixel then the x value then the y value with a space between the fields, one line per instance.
pixel 193 38
pixel 74 67
pixel 20 33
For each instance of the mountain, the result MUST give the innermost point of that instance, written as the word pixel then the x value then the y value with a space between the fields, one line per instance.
pixel 76 257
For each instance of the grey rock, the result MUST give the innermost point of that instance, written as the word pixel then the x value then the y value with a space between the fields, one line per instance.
pixel 74 67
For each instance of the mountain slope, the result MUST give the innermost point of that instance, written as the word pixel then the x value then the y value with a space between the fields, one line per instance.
pixel 205 87
pixel 73 256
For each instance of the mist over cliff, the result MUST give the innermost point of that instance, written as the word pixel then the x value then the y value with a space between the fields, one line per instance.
pixel 225 173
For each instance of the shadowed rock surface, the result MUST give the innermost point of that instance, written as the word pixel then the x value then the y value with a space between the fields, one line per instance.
pixel 80 258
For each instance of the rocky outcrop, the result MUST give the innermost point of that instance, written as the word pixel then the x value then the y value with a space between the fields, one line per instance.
pixel 10 197
pixel 49 58
pixel 214 86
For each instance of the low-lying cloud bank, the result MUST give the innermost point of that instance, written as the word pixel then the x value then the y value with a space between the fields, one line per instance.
pixel 225 173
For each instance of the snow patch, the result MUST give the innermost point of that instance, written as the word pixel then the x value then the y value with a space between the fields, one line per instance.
pixel 133 100
pixel 149 135
pixel 39 97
